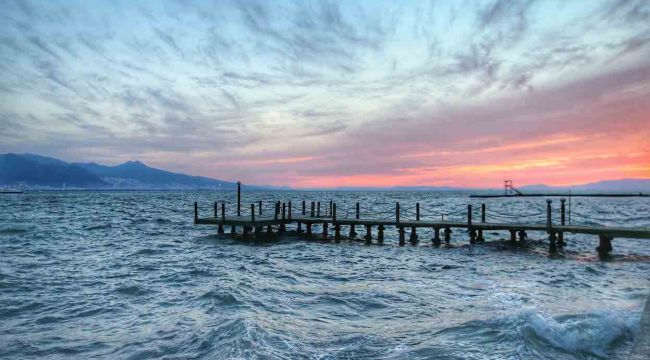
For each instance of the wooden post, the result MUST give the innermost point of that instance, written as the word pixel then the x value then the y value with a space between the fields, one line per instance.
pixel 480 231
pixel 233 230
pixel 223 217
pixel 472 234
pixel 380 234
pixel 253 212
pixel 216 213
pixel 368 234
pixel 417 212
pixel 513 237
pixel 269 229
pixel 402 240
pixel 414 235
pixel 260 208
pixel 196 212
pixel 309 229
pixel 325 230
pixel 245 231
pixel 334 213
pixel 330 213
pixel 604 245
pixel 312 208
pixel 238 198
pixel 560 234
pixel 337 232
pixel 299 227
pixel 318 209
pixel 353 232
pixel 447 235
pixel 303 208
pixel 358 211
pixel 277 210
pixel 522 236
pixel 283 228
pixel 289 210
pixel 397 213
pixel 258 233
pixel 552 246
pixel 436 236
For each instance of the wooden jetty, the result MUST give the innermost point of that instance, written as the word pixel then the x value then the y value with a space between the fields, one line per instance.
pixel 257 224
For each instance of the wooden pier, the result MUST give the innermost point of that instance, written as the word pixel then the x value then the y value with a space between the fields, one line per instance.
pixel 256 224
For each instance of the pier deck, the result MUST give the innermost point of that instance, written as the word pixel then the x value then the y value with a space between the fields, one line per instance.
pixel 283 215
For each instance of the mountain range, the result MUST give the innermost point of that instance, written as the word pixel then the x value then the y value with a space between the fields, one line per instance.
pixel 35 171
pixel 41 172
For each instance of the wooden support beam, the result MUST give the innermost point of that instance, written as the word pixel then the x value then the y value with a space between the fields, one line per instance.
pixel 436 237
pixel 414 235
pixel 337 232
pixel 604 245
pixel 368 234
pixel 353 232
pixel 447 235
pixel 325 228
pixel 380 234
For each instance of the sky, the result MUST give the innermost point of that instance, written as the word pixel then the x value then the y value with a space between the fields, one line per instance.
pixel 328 94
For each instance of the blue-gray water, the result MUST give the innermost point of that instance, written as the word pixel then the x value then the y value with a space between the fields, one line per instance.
pixel 127 275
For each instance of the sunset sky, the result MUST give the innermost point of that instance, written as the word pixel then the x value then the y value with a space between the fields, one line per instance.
pixel 327 94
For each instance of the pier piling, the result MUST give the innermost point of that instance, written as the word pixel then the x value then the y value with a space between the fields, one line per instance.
pixel 368 234
pixel 436 237
pixel 380 234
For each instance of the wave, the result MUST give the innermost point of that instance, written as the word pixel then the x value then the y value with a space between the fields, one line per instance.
pixel 592 333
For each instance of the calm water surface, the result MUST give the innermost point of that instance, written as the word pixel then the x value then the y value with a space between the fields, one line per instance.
pixel 127 275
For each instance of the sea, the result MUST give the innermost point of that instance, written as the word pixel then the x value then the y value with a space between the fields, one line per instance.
pixel 127 275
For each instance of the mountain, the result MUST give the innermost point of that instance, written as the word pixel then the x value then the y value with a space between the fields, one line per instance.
pixel 136 175
pixel 35 171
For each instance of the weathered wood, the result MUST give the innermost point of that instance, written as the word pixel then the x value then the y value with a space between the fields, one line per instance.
pixel 368 234
pixel 380 234
pixel 436 236
pixel 402 240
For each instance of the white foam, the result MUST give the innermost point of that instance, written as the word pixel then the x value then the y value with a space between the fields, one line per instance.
pixel 591 333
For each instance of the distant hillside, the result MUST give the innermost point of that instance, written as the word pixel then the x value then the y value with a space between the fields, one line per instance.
pixel 35 171
pixel 38 171
pixel 135 175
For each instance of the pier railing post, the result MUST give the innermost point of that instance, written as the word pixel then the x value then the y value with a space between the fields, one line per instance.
pixel 417 212
pixel 289 210
pixel 358 211
pixel 560 234
pixel 253 212
pixel 284 211
pixel 552 246
pixel 313 205
pixel 303 208
pixel 196 212
pixel 397 213
pixel 216 213
pixel 238 198
pixel 472 235
pixel 480 232
pixel 260 208
pixel 318 209
pixel 334 213
pixel 330 208
pixel 223 212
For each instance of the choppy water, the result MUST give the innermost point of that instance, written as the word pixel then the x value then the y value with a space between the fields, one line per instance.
pixel 127 275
